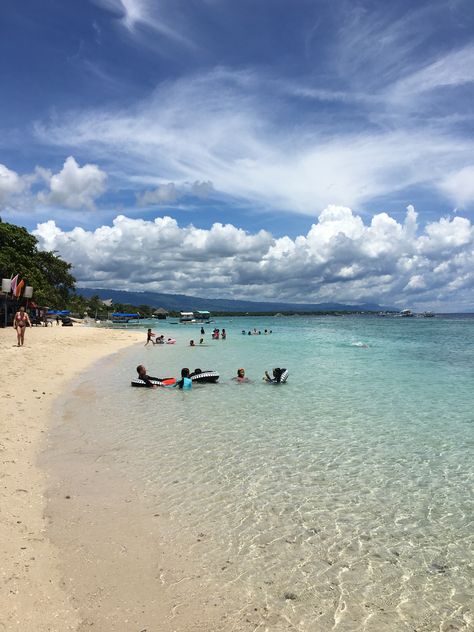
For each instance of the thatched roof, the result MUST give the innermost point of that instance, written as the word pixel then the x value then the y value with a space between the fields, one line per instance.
pixel 161 310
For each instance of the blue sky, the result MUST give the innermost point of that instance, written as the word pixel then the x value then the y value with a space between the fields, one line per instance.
pixel 303 119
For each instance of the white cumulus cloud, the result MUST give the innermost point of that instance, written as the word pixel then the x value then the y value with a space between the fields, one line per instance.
pixel 11 183
pixel 75 186
pixel 341 258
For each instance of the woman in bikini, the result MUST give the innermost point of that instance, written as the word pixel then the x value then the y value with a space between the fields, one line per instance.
pixel 20 322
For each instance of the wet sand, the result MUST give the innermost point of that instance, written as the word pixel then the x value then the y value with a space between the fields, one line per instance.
pixel 35 596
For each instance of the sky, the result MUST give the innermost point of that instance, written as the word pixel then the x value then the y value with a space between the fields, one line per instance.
pixel 296 150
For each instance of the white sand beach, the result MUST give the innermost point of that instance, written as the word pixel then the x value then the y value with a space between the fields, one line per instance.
pixel 33 597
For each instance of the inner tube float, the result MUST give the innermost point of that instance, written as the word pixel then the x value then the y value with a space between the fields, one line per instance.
pixel 156 381
pixel 280 377
pixel 204 377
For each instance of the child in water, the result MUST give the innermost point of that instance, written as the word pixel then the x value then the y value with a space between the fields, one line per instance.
pixel 149 337
pixel 185 382
pixel 241 376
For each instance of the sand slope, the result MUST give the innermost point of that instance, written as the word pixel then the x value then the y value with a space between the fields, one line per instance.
pixel 31 596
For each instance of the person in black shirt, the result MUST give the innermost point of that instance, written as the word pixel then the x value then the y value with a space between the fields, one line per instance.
pixel 143 376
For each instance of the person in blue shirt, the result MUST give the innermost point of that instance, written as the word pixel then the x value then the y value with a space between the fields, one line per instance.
pixel 185 382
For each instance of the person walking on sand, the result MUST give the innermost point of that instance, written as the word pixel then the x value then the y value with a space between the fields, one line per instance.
pixel 20 322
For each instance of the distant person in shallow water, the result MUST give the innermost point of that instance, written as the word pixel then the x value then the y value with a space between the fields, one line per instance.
pixel 276 379
pixel 201 341
pixel 240 377
pixel 149 337
pixel 191 343
pixel 141 370
pixel 223 335
pixel 202 331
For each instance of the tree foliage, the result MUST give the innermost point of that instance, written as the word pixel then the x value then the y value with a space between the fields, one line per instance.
pixel 45 271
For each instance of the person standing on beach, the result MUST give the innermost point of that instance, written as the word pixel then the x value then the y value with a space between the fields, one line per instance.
pixel 20 322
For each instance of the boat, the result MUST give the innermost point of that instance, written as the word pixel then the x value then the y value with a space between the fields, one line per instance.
pixel 406 313
pixel 187 317
pixel 202 316
pixel 122 317
pixel 428 315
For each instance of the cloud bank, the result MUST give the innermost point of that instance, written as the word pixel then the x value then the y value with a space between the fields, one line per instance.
pixel 74 187
pixel 341 258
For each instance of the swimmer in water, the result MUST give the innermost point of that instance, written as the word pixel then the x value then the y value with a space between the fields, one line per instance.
pixel 276 379
pixel 241 376
pixel 191 343
pixel 143 376
pixel 185 382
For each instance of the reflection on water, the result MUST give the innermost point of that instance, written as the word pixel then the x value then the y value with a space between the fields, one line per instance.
pixel 340 500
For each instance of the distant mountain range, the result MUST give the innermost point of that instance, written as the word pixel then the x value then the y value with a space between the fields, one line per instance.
pixel 182 302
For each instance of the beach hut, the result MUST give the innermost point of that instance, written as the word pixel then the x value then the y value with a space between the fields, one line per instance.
pixel 160 313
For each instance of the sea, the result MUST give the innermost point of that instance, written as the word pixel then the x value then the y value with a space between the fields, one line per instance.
pixel 340 500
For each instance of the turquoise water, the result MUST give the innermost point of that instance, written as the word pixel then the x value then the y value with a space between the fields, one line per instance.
pixel 342 499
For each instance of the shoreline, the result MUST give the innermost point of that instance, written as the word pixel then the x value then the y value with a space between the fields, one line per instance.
pixel 122 562
pixel 34 377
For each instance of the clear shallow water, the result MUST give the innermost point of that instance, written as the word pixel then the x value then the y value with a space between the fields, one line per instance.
pixel 342 499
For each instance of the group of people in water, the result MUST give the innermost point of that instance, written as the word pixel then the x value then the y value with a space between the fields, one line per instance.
pixel 157 340
pixel 152 338
pixel 186 382
pixel 255 332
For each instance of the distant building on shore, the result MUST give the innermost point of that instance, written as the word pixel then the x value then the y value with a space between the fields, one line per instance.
pixel 161 313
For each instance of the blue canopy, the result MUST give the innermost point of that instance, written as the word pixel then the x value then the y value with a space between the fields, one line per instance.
pixel 58 312
pixel 123 315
